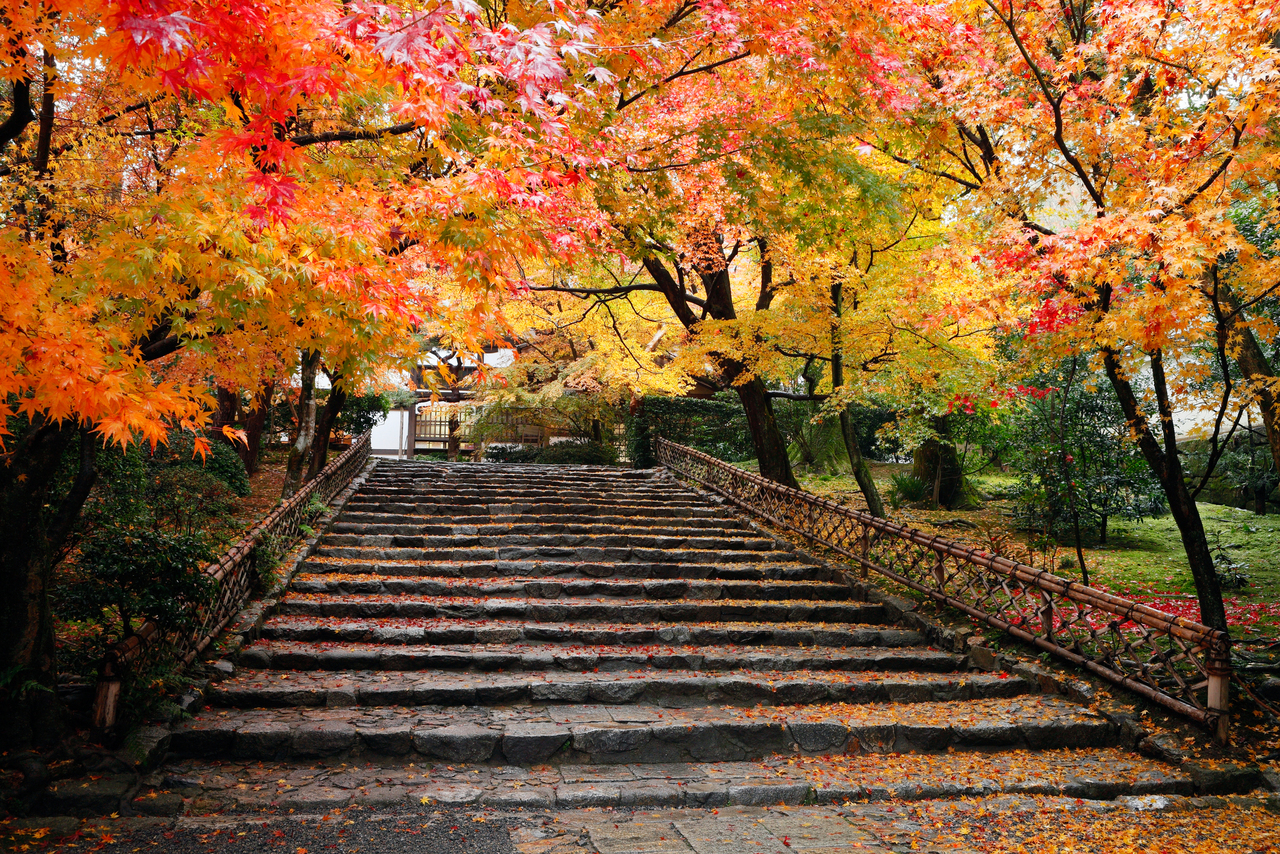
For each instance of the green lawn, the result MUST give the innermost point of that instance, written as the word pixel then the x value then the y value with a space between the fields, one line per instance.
pixel 1143 559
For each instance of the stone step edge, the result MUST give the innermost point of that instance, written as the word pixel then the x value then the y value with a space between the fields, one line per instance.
pixel 508 789
pixel 607 743
pixel 745 689
pixel 490 657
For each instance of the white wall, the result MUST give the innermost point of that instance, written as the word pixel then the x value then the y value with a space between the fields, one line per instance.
pixel 388 437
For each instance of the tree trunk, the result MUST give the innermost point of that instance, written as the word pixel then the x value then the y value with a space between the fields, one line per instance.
pixel 1167 467
pixel 40 526
pixel 324 427
pixel 771 451
pixel 1256 367
pixel 937 462
pixel 225 412
pixel 254 423
pixel 861 471
pixel 454 444
pixel 300 452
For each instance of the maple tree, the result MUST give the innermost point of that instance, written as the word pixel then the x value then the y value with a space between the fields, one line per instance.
pixel 718 106
pixel 1106 146
pixel 190 180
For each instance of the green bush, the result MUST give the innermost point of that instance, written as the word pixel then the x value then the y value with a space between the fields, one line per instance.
pixel 127 575
pixel 561 453
pixel 362 411
pixel 906 489
pixel 1076 461
pixel 716 426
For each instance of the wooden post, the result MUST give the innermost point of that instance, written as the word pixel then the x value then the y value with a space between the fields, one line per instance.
pixel 1219 699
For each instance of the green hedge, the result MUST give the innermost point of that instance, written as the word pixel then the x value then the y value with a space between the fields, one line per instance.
pixel 716 426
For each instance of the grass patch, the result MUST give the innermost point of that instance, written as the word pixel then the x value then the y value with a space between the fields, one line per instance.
pixel 1144 559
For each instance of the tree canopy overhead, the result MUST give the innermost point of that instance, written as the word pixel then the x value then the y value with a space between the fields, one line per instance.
pixel 865 199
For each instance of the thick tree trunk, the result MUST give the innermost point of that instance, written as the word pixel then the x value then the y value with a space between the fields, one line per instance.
pixel 324 428
pixel 300 452
pixel 937 463
pixel 1164 461
pixel 454 443
pixel 40 525
pixel 225 413
pixel 771 450
pixel 254 423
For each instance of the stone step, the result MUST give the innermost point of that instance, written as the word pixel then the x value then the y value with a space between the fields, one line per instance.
pixel 1086 773
pixel 555 525
pixel 576 609
pixel 663 688
pixel 593 554
pixel 545 588
pixel 425 509
pixel 885 650
pixel 399 630
pixel 781 570
pixel 616 540
pixel 550 489
pixel 613 734
pixel 724 520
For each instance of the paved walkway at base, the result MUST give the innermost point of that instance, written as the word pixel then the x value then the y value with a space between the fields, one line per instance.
pixel 970 826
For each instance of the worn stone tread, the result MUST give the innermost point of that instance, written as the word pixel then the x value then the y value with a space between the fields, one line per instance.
pixel 1099 774
pixel 335 583
pixel 493 630
pixel 571 730
pixel 269 688
pixel 559 568
pixel 577 608
pixel 885 649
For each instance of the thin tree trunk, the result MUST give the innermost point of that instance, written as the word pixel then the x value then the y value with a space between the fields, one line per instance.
pixel 861 471
pixel 300 452
pixel 254 423
pixel 324 427
pixel 1165 464
pixel 1254 364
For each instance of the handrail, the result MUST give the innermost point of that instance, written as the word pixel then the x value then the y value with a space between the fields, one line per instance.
pixel 232 577
pixel 1178 663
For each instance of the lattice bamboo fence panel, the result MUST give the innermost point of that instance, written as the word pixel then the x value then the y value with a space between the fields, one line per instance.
pixel 233 577
pixel 1175 662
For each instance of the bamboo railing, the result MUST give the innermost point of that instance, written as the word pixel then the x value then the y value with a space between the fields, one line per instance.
pixel 1177 663
pixel 232 576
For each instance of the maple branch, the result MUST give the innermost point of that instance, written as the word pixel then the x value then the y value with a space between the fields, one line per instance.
pixel 1054 101
pixel 683 71
pixel 1217 173
pixel 618 291
pixel 353 135
pixel 45 139
pixel 968 185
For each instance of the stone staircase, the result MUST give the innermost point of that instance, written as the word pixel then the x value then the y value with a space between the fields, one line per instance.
pixel 562 637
